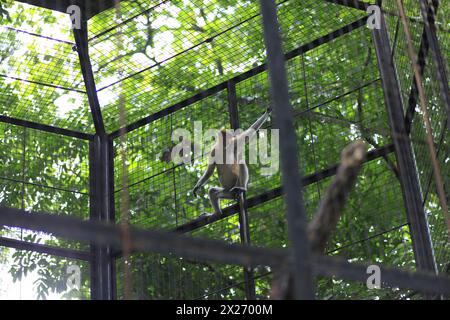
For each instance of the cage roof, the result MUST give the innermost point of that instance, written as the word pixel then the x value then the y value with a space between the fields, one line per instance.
pixel 153 55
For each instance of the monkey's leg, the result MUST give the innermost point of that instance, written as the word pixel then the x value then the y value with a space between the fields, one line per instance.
pixel 215 194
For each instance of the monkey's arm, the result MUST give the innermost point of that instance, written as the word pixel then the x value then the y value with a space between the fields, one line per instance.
pixel 254 127
pixel 208 173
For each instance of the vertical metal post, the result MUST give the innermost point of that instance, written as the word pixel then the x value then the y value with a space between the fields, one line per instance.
pixel 292 186
pixel 244 228
pixel 412 195
pixel 103 278
pixel 428 9
pixel 233 105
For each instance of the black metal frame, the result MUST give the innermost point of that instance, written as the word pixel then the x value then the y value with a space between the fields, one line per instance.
pixel 46 128
pixel 102 210
pixel 213 250
pixel 82 47
pixel 41 248
pixel 106 237
pixel 412 194
pixel 283 114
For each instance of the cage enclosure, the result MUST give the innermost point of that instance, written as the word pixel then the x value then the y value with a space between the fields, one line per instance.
pixel 92 92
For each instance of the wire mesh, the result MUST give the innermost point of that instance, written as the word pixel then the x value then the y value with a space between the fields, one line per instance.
pixel 333 106
pixel 43 172
pixel 28 280
pixel 438 114
pixel 336 92
pixel 40 73
pixel 196 42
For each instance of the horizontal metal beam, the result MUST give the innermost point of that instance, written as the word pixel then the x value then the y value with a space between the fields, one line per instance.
pixel 277 192
pixel 46 128
pixel 213 250
pixel 143 240
pixel 424 282
pixel 290 155
pixel 242 77
pixel 42 248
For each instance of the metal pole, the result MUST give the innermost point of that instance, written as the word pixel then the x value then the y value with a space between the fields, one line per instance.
pixel 213 250
pixel 244 229
pixel 103 278
pixel 412 195
pixel 82 47
pixel 296 214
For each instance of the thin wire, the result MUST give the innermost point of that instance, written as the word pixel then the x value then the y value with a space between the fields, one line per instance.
pixel 24 146
pixel 37 35
pixel 305 87
pixel 42 83
pixel 426 117
pixel 127 20
pixel 205 41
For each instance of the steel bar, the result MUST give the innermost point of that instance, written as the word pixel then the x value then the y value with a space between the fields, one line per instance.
pixel 425 282
pixel 42 248
pixel 102 210
pixel 242 77
pixel 212 250
pixel 283 114
pixel 143 240
pixel 46 128
pixel 412 195
pixel 82 46
pixel 233 105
